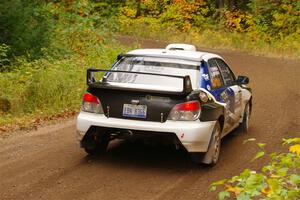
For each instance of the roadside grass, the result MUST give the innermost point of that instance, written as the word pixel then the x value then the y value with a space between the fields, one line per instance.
pixel 211 37
pixel 49 88
pixel 35 88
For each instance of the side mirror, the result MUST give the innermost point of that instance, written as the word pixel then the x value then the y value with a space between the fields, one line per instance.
pixel 120 56
pixel 242 80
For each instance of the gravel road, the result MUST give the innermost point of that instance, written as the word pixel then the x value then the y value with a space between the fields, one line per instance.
pixel 48 164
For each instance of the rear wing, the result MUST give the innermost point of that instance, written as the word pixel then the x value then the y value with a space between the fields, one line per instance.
pixel 104 84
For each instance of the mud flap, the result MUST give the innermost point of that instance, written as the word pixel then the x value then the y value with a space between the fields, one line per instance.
pixel 208 156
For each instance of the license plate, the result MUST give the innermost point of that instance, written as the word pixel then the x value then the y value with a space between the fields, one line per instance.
pixel 137 111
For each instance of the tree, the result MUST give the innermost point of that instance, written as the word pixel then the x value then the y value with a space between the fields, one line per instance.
pixel 25 27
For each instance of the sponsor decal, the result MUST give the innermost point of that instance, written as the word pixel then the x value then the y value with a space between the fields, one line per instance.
pixel 203 97
pixel 224 96
pixel 205 77
pixel 208 87
pixel 228 97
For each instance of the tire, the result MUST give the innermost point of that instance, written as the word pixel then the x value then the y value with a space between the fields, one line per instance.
pixel 99 147
pixel 211 157
pixel 244 126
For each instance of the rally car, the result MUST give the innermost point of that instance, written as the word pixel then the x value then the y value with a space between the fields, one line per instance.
pixel 177 95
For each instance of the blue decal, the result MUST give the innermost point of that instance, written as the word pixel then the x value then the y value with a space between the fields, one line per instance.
pixel 204 77
pixel 225 95
pixel 220 95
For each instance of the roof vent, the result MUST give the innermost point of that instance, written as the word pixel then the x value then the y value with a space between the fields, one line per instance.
pixel 182 47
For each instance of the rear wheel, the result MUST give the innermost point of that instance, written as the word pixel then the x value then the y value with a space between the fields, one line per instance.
pixel 98 146
pixel 211 157
pixel 244 126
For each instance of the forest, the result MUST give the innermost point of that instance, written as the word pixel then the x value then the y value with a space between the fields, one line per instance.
pixel 45 46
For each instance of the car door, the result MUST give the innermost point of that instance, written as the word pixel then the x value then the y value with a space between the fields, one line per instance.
pixel 224 91
pixel 232 88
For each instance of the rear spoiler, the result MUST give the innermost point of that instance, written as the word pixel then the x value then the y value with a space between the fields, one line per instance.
pixel 91 82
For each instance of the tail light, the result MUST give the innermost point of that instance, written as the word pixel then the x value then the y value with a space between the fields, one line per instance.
pixel 90 103
pixel 188 111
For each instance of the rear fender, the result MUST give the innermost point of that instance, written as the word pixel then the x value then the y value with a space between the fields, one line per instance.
pixel 211 110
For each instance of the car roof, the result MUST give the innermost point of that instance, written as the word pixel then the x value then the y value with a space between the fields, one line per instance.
pixel 179 53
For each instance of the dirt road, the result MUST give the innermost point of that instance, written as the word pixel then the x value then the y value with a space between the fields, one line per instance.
pixel 47 164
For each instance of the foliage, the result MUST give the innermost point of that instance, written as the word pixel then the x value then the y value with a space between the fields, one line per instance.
pixel 182 14
pixel 276 18
pixel 278 179
pixel 26 26
pixel 4 49
pixel 264 26
pixel 54 83
pixel 272 17
pixel 49 86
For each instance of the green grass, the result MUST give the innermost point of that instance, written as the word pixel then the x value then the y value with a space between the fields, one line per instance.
pixel 48 86
pixel 51 86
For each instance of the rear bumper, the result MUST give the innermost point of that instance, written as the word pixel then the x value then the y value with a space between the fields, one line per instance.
pixel 194 135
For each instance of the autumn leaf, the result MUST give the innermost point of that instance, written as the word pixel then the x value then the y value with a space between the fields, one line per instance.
pixel 222 195
pixel 258 155
pixel 291 140
pixel 221 182
pixel 236 190
pixel 295 149
pixel 267 190
pixel 261 145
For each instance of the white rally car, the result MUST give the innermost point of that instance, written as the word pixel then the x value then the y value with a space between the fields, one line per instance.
pixel 177 95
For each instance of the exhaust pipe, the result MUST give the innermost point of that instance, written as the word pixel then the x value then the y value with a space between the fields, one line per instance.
pixel 122 134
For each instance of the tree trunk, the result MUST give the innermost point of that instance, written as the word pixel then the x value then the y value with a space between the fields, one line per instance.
pixel 231 5
pixel 220 4
pixel 220 7
pixel 138 9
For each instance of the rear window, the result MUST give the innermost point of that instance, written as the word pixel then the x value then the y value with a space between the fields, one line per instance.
pixel 215 74
pixel 154 65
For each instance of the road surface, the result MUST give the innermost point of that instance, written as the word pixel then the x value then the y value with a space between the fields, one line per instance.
pixel 48 164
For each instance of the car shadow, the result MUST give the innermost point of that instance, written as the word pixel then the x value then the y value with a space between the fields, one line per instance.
pixel 138 154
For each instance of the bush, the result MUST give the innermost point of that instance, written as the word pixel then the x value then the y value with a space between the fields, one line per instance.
pixel 276 18
pixel 26 26
pixel 259 26
pixel 54 83
pixel 279 179
pixel 4 60
pixel 49 86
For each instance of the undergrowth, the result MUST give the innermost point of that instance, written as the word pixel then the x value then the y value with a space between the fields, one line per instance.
pixel 32 89
pixel 211 37
pixel 46 87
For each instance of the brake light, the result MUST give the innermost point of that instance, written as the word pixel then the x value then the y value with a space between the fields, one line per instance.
pixel 188 111
pixel 188 106
pixel 90 98
pixel 91 103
